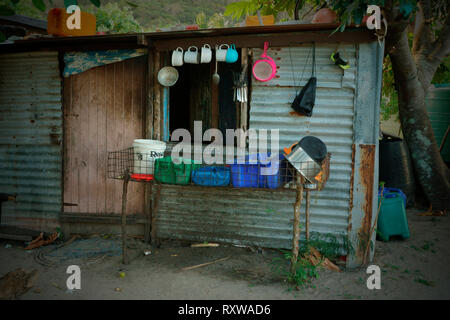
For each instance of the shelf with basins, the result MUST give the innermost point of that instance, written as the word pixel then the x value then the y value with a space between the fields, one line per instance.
pixel 261 171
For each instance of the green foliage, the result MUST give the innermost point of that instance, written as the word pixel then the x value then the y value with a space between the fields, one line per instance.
pixel 29 7
pixel 442 74
pixel 329 245
pixel 389 97
pixel 218 20
pixel 158 14
pixel 68 3
pixel 150 15
pixel 424 282
pixel 39 4
pixel 305 271
pixel 201 21
pixel 240 9
pixel 6 10
pixel 96 3
pixel 117 19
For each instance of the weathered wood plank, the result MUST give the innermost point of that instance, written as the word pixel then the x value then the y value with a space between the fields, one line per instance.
pixel 119 124
pixel 91 142
pixel 83 137
pixel 110 129
pixel 157 99
pixel 67 111
pixel 101 140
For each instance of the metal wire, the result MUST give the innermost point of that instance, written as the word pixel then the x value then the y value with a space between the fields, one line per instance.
pixel 257 171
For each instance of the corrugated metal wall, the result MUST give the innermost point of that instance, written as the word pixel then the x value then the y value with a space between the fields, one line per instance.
pixel 332 120
pixel 30 139
pixel 264 218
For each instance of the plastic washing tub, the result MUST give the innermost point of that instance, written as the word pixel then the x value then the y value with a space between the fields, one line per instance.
pixel 166 171
pixel 211 176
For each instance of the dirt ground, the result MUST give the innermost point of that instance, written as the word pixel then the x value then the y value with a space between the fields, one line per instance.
pixel 416 268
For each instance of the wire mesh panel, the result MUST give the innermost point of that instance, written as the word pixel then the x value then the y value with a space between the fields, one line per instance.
pixel 253 171
pixel 120 163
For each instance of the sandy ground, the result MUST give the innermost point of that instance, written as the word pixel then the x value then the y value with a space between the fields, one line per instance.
pixel 416 268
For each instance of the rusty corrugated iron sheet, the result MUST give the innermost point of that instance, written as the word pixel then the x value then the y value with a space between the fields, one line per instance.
pixel 366 173
pixel 264 218
pixel 30 139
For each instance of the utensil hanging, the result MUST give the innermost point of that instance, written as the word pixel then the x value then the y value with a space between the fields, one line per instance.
pixel 168 76
pixel 215 76
pixel 240 85
pixel 264 69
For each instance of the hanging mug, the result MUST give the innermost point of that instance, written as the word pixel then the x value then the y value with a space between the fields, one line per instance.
pixel 221 53
pixel 232 54
pixel 206 54
pixel 177 57
pixel 191 55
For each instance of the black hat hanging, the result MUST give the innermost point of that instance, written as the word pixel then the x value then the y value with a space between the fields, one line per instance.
pixel 304 101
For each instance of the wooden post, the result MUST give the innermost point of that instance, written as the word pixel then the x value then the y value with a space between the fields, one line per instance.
pixel 157 97
pixel 154 214
pixel 148 211
pixel 124 219
pixel 308 197
pixel 162 95
pixel 149 135
pixel 296 227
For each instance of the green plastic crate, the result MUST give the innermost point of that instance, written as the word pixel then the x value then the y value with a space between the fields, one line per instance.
pixel 392 219
pixel 166 171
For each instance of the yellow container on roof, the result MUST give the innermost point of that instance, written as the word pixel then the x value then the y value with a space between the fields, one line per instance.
pixel 57 23
pixel 254 20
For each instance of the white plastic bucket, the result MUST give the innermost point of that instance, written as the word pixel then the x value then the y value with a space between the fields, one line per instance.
pixel 145 154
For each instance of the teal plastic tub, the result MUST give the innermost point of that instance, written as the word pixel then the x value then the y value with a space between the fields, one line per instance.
pixel 392 220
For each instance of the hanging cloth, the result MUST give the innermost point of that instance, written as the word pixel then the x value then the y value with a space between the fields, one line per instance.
pixel 78 62
pixel 304 101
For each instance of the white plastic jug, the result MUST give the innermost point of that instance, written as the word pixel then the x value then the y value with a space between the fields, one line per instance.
pixel 145 154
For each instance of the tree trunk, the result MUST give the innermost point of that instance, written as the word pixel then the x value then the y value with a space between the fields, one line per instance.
pixel 431 171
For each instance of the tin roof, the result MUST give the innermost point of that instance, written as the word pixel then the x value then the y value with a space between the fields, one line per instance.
pixel 24 21
pixel 136 40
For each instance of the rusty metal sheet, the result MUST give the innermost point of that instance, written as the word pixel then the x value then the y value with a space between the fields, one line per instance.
pixel 364 196
pixel 30 139
pixel 239 216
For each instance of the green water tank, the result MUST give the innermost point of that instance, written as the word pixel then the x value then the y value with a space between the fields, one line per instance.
pixel 438 105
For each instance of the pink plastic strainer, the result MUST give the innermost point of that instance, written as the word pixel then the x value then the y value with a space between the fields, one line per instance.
pixel 264 69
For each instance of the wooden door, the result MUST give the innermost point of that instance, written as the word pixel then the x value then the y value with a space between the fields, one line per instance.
pixel 103 111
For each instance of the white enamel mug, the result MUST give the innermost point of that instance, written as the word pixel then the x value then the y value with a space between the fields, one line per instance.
pixel 206 54
pixel 177 57
pixel 191 55
pixel 221 52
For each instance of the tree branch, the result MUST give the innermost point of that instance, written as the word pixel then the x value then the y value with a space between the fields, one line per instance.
pixel 423 35
pixel 396 23
pixel 441 47
pixel 395 33
pixel 428 60
pixel 401 57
